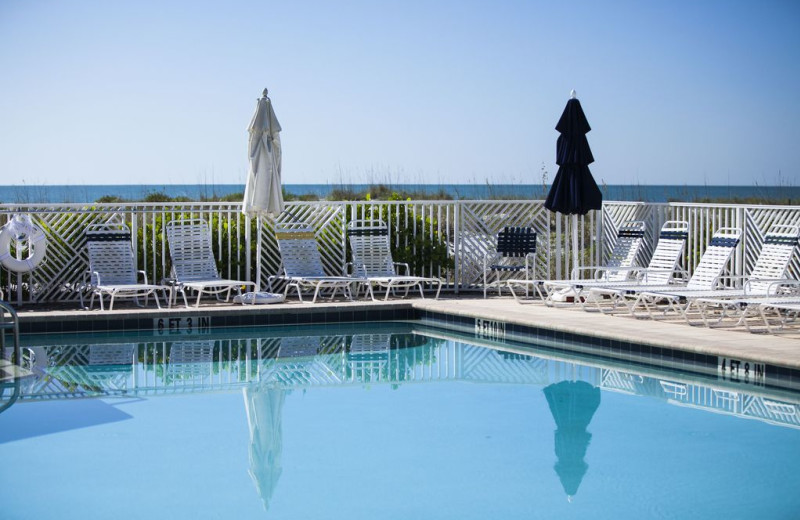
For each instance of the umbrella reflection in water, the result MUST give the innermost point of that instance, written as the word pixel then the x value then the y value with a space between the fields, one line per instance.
pixel 573 404
pixel 264 408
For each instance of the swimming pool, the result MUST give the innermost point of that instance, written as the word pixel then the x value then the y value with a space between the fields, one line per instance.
pixel 383 421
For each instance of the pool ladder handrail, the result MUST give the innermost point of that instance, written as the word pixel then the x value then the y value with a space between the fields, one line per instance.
pixel 10 321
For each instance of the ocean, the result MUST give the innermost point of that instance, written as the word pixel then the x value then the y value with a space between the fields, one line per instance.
pixel 28 194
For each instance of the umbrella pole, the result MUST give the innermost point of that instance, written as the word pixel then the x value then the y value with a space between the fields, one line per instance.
pixel 575 245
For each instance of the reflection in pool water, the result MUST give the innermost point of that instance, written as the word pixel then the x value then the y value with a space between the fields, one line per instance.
pixel 399 410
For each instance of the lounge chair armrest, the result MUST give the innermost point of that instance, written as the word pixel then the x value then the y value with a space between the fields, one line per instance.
pixel 728 281
pixel 269 281
pixel 406 269
pixel 598 269
pixel 530 263
pixel 87 280
pixel 789 285
pixel 643 273
pixel 144 276
pixel 731 280
pixel 681 273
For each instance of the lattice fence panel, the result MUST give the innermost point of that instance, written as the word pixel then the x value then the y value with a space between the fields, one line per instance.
pixel 704 220
pixel 757 223
pixel 328 221
pixel 422 233
pixel 480 223
pixel 615 214
pixel 246 248
pixel 62 271
pixel 58 278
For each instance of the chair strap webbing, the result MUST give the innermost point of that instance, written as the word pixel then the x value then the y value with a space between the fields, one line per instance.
pixel 724 242
pixel 674 235
pixel 369 232
pixel 773 239
pixel 109 236
pixel 295 235
pixel 516 241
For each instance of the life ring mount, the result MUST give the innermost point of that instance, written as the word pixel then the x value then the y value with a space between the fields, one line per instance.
pixel 21 229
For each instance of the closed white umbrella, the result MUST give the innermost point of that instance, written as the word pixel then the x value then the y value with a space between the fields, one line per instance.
pixel 262 193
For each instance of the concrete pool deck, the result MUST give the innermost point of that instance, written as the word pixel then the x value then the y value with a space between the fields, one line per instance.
pixel 781 349
pixel 673 332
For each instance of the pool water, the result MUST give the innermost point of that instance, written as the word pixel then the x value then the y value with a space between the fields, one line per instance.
pixel 389 422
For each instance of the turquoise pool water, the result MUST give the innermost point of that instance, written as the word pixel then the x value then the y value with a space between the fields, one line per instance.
pixel 389 422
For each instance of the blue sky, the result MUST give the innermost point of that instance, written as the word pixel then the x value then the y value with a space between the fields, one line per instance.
pixel 676 92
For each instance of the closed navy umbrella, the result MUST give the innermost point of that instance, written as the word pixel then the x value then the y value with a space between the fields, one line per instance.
pixel 574 191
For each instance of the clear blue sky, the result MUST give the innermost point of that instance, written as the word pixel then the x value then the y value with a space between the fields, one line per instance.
pixel 157 91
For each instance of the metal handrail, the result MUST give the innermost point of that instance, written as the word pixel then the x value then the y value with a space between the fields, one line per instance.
pixel 10 321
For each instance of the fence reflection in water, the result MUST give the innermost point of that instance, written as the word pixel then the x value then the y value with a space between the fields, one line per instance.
pixel 289 362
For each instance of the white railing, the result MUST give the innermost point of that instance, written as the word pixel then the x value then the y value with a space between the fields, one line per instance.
pixel 446 239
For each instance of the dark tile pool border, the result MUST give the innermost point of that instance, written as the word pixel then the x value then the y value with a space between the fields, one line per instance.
pixel 636 352
pixel 217 318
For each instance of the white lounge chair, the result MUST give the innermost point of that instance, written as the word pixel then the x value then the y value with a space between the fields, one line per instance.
pixel 112 267
pixel 743 308
pixel 630 237
pixel 191 364
pixel 372 259
pixel 301 264
pixel 513 254
pixel 784 309
pixel 707 276
pixel 368 357
pixel 194 267
pixel 663 266
pixel 767 280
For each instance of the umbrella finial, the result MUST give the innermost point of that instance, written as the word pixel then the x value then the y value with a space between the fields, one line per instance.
pixel 572 94
pixel 267 91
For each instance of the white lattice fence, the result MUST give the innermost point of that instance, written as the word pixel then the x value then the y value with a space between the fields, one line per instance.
pixel 617 213
pixel 463 231
pixel 704 220
pixel 481 221
pixel 327 218
pixel 421 230
pixel 62 273
pixel 758 220
pixel 66 261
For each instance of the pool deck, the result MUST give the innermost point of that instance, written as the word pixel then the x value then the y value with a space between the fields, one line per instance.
pixel 672 332
pixel 781 349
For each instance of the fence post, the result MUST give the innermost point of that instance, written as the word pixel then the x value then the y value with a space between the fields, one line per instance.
pixel 457 245
pixel 247 261
pixel 741 223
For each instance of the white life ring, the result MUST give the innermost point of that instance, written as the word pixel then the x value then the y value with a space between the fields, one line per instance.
pixel 21 228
